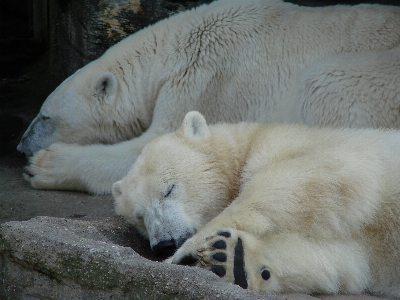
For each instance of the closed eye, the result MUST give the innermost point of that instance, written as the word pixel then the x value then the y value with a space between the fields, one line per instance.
pixel 169 190
pixel 45 117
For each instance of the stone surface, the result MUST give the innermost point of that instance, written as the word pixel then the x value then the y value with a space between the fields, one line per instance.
pixel 20 202
pixel 56 258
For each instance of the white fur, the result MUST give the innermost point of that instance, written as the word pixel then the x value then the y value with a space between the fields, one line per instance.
pixel 233 60
pixel 318 208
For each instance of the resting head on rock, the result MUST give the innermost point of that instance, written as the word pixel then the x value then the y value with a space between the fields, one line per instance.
pixel 274 208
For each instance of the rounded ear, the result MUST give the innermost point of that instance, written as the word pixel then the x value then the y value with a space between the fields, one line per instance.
pixel 116 190
pixel 106 86
pixel 195 126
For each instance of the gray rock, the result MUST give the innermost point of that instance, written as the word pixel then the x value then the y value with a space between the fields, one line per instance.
pixel 56 258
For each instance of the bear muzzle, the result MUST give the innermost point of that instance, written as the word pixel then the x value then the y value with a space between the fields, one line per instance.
pixel 168 247
pixel 165 248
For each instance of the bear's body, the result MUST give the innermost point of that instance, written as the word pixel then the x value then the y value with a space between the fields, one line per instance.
pixel 275 208
pixel 250 60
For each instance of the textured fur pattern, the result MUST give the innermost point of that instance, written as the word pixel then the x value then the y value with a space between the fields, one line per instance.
pixel 249 60
pixel 275 208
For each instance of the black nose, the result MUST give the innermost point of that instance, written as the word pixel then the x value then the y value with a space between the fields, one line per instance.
pixel 165 248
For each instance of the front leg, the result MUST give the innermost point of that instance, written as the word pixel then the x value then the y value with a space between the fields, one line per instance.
pixel 92 168
pixel 283 263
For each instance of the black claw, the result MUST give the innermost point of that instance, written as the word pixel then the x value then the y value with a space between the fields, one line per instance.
pixel 219 245
pixel 224 233
pixel 220 271
pixel 266 275
pixel 239 271
pixel 187 260
pixel 221 257
pixel 27 172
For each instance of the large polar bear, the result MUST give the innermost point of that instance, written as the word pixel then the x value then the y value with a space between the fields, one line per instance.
pixel 233 60
pixel 273 208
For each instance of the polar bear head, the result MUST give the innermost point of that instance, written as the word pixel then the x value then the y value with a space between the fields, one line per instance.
pixel 85 109
pixel 175 187
pixel 74 112
pixel 104 102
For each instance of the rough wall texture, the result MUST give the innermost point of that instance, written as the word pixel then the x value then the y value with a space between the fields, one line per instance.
pixel 85 29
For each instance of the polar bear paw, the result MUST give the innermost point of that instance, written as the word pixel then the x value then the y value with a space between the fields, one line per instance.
pixel 224 255
pixel 47 168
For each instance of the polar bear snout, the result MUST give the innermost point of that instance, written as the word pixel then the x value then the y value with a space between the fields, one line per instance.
pixel 166 248
pixel 167 226
pixel 39 135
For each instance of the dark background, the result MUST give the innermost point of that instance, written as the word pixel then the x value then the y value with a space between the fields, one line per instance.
pixel 42 42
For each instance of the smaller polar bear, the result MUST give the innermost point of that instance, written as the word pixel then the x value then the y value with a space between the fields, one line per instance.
pixel 273 208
